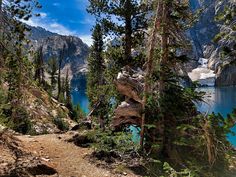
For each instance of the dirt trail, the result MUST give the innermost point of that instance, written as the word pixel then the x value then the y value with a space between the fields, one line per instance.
pixel 68 159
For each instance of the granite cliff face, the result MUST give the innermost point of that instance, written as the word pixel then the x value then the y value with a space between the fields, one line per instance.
pixel 202 35
pixel 205 29
pixel 76 51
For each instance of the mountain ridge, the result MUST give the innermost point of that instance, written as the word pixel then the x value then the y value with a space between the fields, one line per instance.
pixel 76 51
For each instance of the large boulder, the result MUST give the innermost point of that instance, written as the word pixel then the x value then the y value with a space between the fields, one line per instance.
pixel 129 83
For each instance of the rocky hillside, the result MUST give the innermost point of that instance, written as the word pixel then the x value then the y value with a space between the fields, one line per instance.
pixel 43 114
pixel 76 51
pixel 202 35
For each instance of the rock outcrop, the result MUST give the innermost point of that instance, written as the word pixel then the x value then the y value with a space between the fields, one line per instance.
pixel 227 75
pixel 206 28
pixel 129 83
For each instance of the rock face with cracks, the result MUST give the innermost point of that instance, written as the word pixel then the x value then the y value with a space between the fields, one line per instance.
pixel 130 84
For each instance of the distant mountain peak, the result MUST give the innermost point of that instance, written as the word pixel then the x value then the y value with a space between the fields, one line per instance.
pixel 38 32
pixel 76 51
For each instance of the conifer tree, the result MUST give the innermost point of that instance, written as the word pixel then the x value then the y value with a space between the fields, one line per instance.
pixel 171 126
pixel 61 58
pixel 132 17
pixel 96 64
pixel 68 92
pixel 52 63
pixel 39 66
pixel 12 42
pixel 62 96
pixel 95 82
pixel 170 24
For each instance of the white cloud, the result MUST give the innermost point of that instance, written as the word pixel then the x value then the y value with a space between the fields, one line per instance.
pixel 31 22
pixel 86 39
pixel 88 21
pixel 59 28
pixel 50 25
pixel 43 15
pixel 53 26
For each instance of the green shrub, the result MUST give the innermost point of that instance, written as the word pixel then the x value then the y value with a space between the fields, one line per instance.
pixel 2 106
pixel 21 122
pixel 77 113
pixel 61 124
pixel 109 141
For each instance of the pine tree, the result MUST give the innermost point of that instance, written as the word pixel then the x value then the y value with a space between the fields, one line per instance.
pixel 39 67
pixel 95 64
pixel 68 92
pixel 52 63
pixel 131 15
pixel 170 23
pixel 62 96
pixel 12 42
pixel 95 82
pixel 61 58
pixel 172 130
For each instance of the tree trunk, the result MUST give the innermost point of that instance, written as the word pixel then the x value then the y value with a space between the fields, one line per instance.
pixel 149 69
pixel 1 36
pixel 128 33
pixel 59 79
pixel 168 121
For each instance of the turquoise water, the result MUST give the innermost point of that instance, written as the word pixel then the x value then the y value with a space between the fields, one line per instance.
pixel 219 100
pixel 80 97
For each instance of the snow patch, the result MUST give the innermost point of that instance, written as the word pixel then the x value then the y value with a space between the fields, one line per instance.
pixel 202 74
pixel 124 104
pixel 119 75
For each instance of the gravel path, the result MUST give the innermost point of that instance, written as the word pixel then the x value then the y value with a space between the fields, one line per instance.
pixel 68 159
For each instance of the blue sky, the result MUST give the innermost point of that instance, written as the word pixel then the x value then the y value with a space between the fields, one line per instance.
pixel 66 17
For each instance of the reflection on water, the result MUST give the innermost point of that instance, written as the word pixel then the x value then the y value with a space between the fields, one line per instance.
pixel 219 100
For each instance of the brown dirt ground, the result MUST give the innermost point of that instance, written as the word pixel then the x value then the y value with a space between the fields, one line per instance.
pixel 66 158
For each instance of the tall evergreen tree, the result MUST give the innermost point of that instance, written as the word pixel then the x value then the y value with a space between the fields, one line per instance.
pixel 39 66
pixel 132 17
pixel 171 126
pixel 53 67
pixel 12 42
pixel 170 25
pixel 61 58
pixel 68 92
pixel 95 64
pixel 96 73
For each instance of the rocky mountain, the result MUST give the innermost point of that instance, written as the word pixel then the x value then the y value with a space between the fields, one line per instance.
pixel 76 51
pixel 37 33
pixel 202 35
